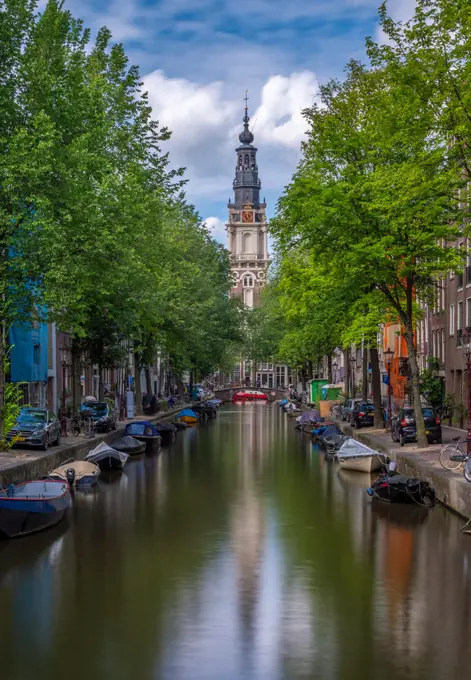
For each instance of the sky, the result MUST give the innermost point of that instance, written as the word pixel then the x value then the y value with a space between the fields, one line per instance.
pixel 197 58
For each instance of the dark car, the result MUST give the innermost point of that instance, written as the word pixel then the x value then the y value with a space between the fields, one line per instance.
pixel 35 427
pixel 403 426
pixel 103 414
pixel 347 407
pixel 362 415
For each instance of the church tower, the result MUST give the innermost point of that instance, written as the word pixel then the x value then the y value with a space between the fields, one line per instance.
pixel 247 226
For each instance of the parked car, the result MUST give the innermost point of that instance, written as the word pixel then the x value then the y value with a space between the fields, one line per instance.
pixel 36 427
pixel 103 414
pixel 403 426
pixel 362 415
pixel 347 408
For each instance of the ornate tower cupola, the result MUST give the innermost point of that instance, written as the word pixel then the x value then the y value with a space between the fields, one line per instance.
pixel 247 228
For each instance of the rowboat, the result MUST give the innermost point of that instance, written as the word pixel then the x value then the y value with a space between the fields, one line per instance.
pixel 32 506
pixel 78 473
pixel 353 455
pixel 107 458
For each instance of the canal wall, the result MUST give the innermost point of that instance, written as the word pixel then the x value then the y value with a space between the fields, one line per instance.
pixel 17 466
pixel 451 488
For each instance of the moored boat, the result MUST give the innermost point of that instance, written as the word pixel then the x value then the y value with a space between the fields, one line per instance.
pixel 78 473
pixel 147 432
pixel 249 395
pixel 130 445
pixel 107 458
pixel 395 488
pixel 32 506
pixel 188 416
pixel 353 455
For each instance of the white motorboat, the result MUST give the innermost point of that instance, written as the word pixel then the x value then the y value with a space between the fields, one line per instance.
pixel 107 458
pixel 353 455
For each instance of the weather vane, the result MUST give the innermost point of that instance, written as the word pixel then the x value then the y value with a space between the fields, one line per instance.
pixel 246 98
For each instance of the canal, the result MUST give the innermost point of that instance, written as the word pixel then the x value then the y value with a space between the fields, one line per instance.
pixel 239 553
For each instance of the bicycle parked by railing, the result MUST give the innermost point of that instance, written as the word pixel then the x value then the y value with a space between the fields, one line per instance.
pixel 455 455
pixel 82 424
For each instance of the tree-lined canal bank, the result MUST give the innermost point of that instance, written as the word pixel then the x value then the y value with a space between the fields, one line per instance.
pixel 238 553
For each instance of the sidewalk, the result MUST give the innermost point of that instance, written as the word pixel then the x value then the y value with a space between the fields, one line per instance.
pixel 451 487
pixel 22 465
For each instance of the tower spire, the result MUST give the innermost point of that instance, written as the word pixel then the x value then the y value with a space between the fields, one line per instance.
pixel 246 136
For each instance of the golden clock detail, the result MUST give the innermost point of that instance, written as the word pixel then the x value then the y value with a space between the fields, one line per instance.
pixel 247 216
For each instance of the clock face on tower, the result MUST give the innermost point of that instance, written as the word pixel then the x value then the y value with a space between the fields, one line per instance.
pixel 247 216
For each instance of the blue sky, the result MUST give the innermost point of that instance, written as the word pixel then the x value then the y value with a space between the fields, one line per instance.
pixel 198 57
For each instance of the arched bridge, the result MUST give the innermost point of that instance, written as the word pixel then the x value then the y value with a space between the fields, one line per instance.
pixel 226 393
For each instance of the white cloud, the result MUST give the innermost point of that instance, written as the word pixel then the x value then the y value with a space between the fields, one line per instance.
pixel 205 124
pixel 217 228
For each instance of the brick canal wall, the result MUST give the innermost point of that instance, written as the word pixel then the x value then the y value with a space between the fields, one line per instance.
pixel 18 466
pixel 451 488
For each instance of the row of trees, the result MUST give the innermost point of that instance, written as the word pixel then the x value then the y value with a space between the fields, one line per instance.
pixel 95 232
pixel 371 218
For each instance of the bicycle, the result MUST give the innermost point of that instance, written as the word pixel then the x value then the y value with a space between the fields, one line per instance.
pixel 452 457
pixel 81 423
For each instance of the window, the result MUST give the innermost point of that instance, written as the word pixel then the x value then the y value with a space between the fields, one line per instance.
pixel 248 282
pixel 459 321
pixel 452 319
pixel 434 343
pixel 37 354
pixel 468 312
pixel 443 346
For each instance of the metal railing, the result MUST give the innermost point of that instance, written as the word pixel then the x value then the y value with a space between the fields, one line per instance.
pixel 248 256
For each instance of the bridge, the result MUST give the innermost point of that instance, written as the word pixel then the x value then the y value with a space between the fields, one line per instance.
pixel 273 393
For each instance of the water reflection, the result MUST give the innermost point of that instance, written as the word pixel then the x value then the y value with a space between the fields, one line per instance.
pixel 241 552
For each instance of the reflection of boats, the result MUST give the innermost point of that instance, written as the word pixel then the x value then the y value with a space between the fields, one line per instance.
pixel 130 445
pixel 353 455
pixel 188 416
pixel 405 516
pixel 249 395
pixel 146 432
pixel 107 458
pixel 111 476
pixel 349 478
pixel 78 473
pixel 32 506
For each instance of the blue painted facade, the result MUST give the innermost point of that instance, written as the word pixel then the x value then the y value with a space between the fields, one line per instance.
pixel 29 353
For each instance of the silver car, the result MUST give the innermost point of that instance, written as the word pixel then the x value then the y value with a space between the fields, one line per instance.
pixel 36 427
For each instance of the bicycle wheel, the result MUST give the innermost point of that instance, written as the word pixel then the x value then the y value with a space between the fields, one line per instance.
pixel 447 453
pixel 75 428
pixel 467 470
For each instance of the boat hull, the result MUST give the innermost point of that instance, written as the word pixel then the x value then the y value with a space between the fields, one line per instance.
pixel 23 516
pixel 189 420
pixel 153 443
pixel 86 474
pixel 361 463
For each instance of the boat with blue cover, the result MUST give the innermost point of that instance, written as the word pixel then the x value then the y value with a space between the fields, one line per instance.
pixel 145 431
pixel 32 506
pixel 188 416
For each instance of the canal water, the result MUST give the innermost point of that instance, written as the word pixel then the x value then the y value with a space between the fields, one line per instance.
pixel 239 553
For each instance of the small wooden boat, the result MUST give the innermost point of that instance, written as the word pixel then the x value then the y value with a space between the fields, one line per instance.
pixel 32 506
pixel 78 473
pixel 107 458
pixel 129 445
pixel 145 431
pixel 353 455
pixel 188 416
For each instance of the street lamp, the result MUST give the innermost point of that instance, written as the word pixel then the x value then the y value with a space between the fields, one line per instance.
pixel 353 362
pixel 388 357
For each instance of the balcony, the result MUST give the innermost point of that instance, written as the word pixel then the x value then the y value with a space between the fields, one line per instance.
pixel 244 257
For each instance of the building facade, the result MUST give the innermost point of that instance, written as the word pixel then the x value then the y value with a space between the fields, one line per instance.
pixel 248 248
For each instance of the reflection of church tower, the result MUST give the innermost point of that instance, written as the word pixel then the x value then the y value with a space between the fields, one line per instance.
pixel 247 227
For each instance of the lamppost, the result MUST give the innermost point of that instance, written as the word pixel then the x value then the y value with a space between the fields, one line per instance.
pixel 353 363
pixel 467 359
pixel 388 357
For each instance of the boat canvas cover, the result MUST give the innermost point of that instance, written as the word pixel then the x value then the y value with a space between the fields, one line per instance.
pixel 103 450
pixel 310 417
pixel 352 448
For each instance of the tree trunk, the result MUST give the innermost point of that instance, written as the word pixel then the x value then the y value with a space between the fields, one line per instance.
pixel 191 385
pixel 101 386
pixel 376 385
pixel 364 394
pixel 346 376
pixel 304 379
pixel 2 374
pixel 329 368
pixel 137 385
pixel 414 370
pixel 76 396
pixel 310 370
pixel 148 380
